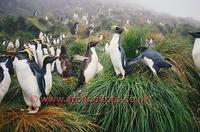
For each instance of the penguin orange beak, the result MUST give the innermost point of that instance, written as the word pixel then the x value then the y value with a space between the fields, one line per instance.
pixel 125 29
pixel 97 41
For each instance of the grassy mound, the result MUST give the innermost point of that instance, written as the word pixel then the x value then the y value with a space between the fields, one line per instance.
pixel 164 109
pixel 39 23
pixel 48 119
pixel 131 40
pixel 155 103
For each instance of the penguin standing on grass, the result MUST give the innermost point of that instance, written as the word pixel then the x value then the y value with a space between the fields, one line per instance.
pixel 117 54
pixel 30 79
pixel 153 59
pixel 89 66
pixel 6 70
pixel 46 70
pixel 196 49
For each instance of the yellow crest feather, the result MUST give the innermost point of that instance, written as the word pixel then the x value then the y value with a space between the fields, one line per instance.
pixel 30 54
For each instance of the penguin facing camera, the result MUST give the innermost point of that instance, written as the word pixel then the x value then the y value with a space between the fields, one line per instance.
pixel 117 54
pixel 153 59
pixel 30 78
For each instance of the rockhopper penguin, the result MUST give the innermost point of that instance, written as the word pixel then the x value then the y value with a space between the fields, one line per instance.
pixel 117 54
pixel 153 59
pixel 30 79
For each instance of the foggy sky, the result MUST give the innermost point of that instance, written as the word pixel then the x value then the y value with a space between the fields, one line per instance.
pixel 183 8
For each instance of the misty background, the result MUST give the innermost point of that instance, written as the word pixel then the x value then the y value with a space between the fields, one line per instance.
pixel 171 14
pixel 181 8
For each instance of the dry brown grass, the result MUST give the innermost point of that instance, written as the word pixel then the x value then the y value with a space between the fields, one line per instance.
pixel 47 119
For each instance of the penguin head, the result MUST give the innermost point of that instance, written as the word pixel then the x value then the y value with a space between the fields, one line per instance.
pixel 49 60
pixel 93 43
pixel 76 23
pixel 195 35
pixel 141 49
pixel 119 30
pixel 24 54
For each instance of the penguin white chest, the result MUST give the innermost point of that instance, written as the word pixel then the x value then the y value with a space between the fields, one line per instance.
pixel 149 62
pixel 107 47
pixel 40 56
pixel 196 53
pixel 52 51
pixel 58 67
pixel 48 79
pixel 5 83
pixel 115 55
pixel 27 81
pixel 91 70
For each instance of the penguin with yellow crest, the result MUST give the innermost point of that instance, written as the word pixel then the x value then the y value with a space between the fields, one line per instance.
pixel 116 52
pixel 30 78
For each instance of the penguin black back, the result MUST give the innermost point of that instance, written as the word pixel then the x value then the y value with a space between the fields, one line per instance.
pixel 48 60
pixel 9 63
pixel 1 74
pixel 157 58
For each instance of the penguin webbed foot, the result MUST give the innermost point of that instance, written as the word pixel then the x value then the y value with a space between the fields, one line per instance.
pixel 34 111
pixel 29 109
pixel 121 77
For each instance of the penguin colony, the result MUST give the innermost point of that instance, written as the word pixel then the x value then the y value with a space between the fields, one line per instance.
pixel 35 61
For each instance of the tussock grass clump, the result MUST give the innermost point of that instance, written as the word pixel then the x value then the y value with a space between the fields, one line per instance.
pixel 77 47
pixel 167 107
pixel 178 51
pixel 164 109
pixel 48 119
pixel 39 23
pixel 132 40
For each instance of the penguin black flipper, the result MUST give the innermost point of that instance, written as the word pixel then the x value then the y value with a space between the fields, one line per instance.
pixel 9 65
pixel 1 74
pixel 84 65
pixel 39 75
pixel 134 60
pixel 123 56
